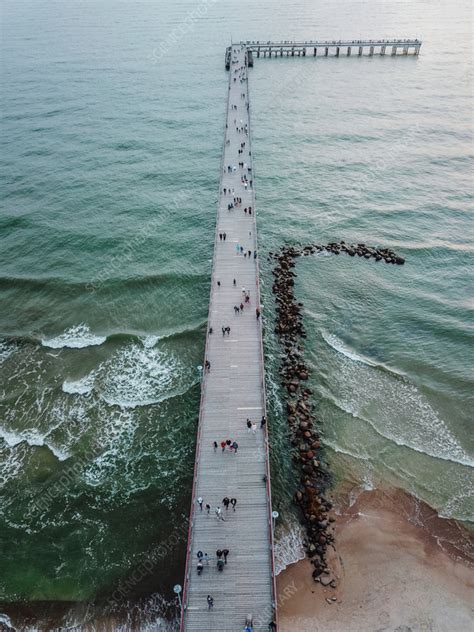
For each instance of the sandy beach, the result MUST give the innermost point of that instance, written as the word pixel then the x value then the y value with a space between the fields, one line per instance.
pixel 398 567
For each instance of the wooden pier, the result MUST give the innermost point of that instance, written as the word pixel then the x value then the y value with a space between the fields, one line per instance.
pixel 233 385
pixel 331 48
pixel 232 391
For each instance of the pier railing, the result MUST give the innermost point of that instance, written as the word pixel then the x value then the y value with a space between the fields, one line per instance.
pixel 264 390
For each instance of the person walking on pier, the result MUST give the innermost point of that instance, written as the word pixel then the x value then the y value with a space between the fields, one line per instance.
pixel 233 502
pixel 218 554
pixel 223 444
pixel 225 553
pixel 225 502
pixel 199 502
pixel 263 421
pixel 208 508
pixel 210 602
pixel 214 445
pixel 235 446
pixel 249 425
pixel 219 515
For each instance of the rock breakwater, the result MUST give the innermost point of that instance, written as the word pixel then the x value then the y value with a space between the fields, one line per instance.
pixel 302 421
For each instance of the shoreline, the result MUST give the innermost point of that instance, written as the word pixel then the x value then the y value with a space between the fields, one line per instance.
pixel 396 563
pixel 396 566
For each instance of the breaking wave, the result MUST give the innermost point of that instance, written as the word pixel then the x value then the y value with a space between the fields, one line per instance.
pixel 392 406
pixel 289 547
pixel 76 337
pixel 33 439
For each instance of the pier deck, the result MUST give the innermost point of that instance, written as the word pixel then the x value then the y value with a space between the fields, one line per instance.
pixel 232 391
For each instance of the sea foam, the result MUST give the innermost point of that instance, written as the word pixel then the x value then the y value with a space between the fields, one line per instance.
pixel 392 406
pixel 76 337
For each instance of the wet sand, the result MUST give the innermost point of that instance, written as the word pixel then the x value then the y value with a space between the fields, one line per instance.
pixel 398 568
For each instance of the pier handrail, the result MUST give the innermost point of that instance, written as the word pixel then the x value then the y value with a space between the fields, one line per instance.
pixel 264 394
pixel 412 41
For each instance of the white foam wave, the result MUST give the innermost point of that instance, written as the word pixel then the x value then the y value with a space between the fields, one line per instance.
pixel 33 439
pixel 460 506
pixel 6 350
pixel 150 341
pixel 395 409
pixel 337 448
pixel 83 386
pixel 5 620
pixel 135 376
pixel 289 546
pixel 115 439
pixel 337 344
pixel 11 463
pixel 138 376
pixel 76 337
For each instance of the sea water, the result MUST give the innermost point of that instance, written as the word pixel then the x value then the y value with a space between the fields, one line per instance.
pixel 112 129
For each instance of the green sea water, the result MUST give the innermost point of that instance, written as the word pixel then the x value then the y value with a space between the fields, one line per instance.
pixel 112 128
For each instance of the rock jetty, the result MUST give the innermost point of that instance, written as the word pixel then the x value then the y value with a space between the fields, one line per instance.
pixel 302 421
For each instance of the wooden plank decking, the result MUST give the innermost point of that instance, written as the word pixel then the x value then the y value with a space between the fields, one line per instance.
pixel 232 391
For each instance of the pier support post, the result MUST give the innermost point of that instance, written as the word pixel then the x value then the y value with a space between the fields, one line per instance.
pixel 337 51
pixel 326 51
pixel 371 51
pixel 394 50
pixel 315 52
pixel 292 52
pixel 360 51
pixel 348 51
pixel 405 50
pixel 258 51
pixel 417 50
pixel 382 51
pixel 304 52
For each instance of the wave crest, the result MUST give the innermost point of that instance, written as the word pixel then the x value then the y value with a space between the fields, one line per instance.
pixel 392 406
pixel 76 337
pixel 289 546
